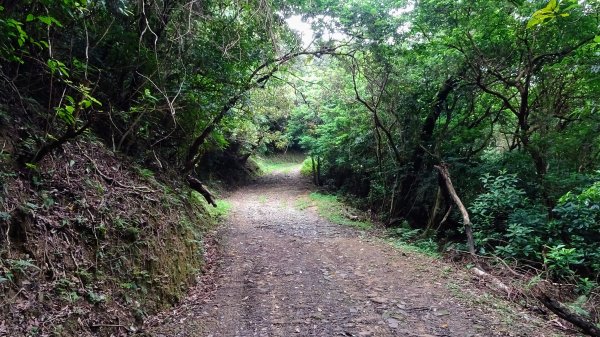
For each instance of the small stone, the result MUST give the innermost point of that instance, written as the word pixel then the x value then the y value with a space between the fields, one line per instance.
pixel 393 323
pixel 379 300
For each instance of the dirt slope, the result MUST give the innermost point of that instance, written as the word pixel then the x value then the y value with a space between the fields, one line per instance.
pixel 287 272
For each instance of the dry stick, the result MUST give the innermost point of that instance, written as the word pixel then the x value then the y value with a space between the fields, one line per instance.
pixel 445 175
pixel 444 218
pixel 110 326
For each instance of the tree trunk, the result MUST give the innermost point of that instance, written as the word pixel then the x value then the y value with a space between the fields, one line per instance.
pixel 411 180
pixel 319 183
pixel 192 156
pixel 566 314
pixel 445 176
pixel 316 170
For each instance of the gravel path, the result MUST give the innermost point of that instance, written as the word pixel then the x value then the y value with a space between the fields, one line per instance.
pixel 287 272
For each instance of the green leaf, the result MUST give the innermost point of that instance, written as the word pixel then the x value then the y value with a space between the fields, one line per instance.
pixel 568 8
pixel 597 39
pixel 48 20
pixel 30 17
pixel 45 19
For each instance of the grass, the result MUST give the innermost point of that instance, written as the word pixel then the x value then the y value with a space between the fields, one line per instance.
pixel 425 246
pixel 217 213
pixel 283 163
pixel 334 210
pixel 303 203
pixel 221 211
pixel 331 208
pixel 502 309
pixel 410 239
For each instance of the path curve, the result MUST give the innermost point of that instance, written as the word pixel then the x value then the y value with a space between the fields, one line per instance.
pixel 288 272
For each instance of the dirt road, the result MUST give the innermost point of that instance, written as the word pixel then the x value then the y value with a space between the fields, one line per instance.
pixel 287 272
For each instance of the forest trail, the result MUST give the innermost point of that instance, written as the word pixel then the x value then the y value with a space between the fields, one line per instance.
pixel 283 271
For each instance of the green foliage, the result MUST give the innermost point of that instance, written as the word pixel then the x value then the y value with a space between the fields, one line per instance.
pixel 560 259
pixel 552 11
pixel 93 297
pixel 578 219
pixel 577 306
pixel 217 213
pixel 423 246
pixel 146 173
pixel 66 289
pixel 17 267
pixel 524 236
pixel 492 208
pixel 511 227
pixel 585 286
pixel 411 239
pixel 306 169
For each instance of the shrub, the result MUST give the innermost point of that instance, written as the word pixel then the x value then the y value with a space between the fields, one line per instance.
pixel 492 208
pixel 577 225
pixel 524 234
pixel 306 169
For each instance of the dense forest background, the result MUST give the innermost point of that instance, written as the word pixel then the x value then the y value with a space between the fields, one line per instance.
pixel 504 95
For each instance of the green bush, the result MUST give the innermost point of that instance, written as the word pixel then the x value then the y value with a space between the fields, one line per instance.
pixel 577 224
pixel 506 223
pixel 492 209
pixel 524 236
pixel 306 169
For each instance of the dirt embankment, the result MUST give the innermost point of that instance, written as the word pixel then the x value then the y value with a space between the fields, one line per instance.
pixel 288 272
pixel 92 244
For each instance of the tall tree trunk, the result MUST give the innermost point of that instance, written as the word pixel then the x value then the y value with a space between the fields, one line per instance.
pixel 412 179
